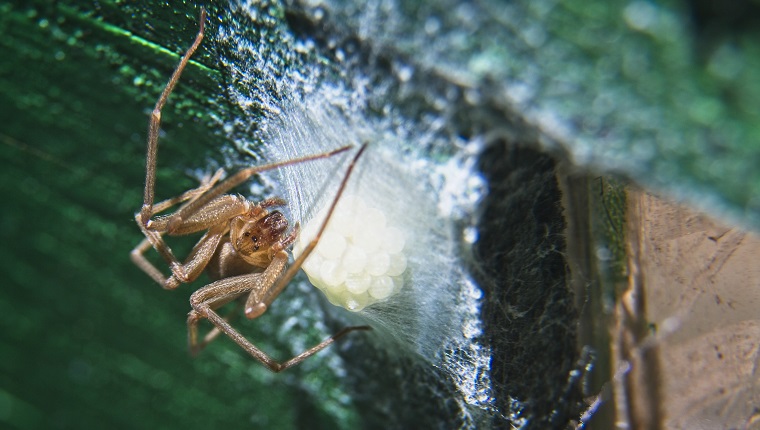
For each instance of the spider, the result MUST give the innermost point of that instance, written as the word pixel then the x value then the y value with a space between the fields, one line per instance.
pixel 244 248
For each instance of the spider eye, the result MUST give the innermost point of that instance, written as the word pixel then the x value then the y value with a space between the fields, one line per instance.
pixel 255 243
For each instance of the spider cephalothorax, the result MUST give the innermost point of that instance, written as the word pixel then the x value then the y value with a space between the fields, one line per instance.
pixel 254 236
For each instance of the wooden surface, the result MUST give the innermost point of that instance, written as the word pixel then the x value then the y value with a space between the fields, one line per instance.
pixel 695 298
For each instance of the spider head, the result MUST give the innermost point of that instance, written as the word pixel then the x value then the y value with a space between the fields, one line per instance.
pixel 253 238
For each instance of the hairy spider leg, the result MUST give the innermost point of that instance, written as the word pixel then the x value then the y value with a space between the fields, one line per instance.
pixel 155 125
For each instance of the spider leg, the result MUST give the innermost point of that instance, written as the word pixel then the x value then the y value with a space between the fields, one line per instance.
pixel 203 310
pixel 205 300
pixel 260 299
pixel 190 196
pixel 221 209
pixel 210 297
pixel 155 125
pixel 181 272
pixel 138 258
pixel 215 332
pixel 272 202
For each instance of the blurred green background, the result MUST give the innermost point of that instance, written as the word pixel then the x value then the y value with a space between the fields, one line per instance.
pixel 665 95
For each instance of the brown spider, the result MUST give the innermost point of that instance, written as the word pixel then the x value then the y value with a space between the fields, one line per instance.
pixel 244 246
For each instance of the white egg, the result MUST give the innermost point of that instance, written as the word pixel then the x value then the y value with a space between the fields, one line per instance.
pixel 332 274
pixel 331 245
pixel 373 219
pixel 354 259
pixel 394 240
pixel 368 239
pixel 357 283
pixel 381 287
pixel 378 263
pixel 397 264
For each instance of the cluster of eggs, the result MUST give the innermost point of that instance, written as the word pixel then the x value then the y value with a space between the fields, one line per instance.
pixel 358 260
